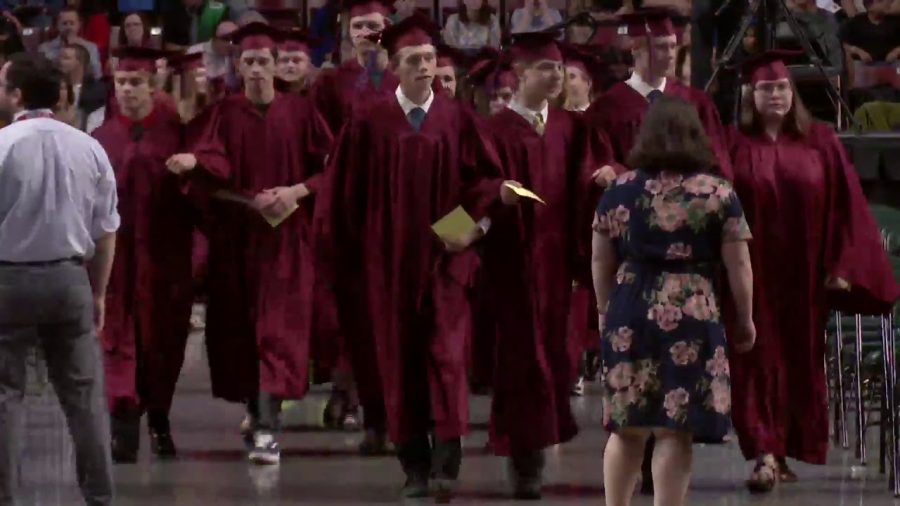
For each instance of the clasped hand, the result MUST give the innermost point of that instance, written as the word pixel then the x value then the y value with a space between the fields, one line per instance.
pixel 276 202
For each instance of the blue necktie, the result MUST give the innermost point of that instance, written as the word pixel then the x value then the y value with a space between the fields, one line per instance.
pixel 416 117
pixel 654 95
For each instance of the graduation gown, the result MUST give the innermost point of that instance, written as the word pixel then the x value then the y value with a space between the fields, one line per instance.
pixel 530 260
pixel 388 184
pixel 803 200
pixel 260 284
pixel 148 302
pixel 620 111
pixel 337 92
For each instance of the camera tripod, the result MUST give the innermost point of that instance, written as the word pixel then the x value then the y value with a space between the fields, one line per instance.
pixel 770 12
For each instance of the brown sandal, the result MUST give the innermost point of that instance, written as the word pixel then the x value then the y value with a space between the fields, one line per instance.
pixel 764 476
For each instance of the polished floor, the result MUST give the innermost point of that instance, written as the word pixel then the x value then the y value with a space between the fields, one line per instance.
pixel 322 468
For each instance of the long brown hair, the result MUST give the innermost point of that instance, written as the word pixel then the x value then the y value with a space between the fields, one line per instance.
pixel 796 121
pixel 672 138
pixel 484 13
pixel 145 22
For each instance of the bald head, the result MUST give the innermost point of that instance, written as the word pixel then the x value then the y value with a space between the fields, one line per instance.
pixel 225 29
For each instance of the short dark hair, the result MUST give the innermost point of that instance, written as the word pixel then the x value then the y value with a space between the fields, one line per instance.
pixel 484 13
pixel 68 9
pixel 672 138
pixel 36 77
pixel 81 54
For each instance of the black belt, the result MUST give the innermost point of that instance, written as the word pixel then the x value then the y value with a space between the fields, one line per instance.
pixel 45 263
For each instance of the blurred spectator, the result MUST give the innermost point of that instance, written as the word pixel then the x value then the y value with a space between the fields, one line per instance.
pixel 251 16
pixel 402 10
pixel 135 30
pixel 820 27
pixel 88 94
pixel 325 27
pixel 136 5
pixel 192 22
pixel 217 54
pixel 535 16
pixel 873 36
pixel 65 109
pixel 473 27
pixel 95 23
pixel 68 24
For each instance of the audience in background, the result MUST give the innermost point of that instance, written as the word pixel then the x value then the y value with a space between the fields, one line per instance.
pixel 402 10
pixel 820 27
pixel 135 30
pixel 68 24
pixel 217 55
pixel 88 94
pixel 194 21
pixel 873 36
pixel 534 16
pixel 472 27
pixel 65 109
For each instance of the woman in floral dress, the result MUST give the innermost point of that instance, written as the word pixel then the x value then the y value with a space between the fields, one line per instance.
pixel 662 234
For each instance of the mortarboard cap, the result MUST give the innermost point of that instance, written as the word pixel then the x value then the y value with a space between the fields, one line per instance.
pixel 365 7
pixel 138 59
pixel 416 30
pixel 492 71
pixel 184 62
pixel 768 66
pixel 448 56
pixel 583 58
pixel 534 46
pixel 254 35
pixel 295 40
pixel 652 22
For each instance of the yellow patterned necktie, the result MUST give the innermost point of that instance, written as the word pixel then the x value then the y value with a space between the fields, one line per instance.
pixel 539 123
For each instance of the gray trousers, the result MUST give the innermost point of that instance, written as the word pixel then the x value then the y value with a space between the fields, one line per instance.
pixel 52 307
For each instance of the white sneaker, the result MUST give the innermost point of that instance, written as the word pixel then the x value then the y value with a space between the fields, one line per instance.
pixel 578 389
pixel 265 450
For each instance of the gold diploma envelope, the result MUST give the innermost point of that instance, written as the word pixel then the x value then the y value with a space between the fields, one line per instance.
pixel 279 219
pixel 454 225
pixel 248 201
pixel 524 192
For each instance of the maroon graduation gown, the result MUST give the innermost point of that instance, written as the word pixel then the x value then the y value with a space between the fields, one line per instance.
pixel 337 93
pixel 620 111
pixel 388 184
pixel 530 260
pixel 148 303
pixel 259 313
pixel 803 200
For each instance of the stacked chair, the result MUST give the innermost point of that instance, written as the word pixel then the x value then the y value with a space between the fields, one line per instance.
pixel 862 370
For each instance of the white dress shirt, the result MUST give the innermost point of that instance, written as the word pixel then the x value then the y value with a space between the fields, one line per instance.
pixel 408 105
pixel 638 84
pixel 529 114
pixel 57 191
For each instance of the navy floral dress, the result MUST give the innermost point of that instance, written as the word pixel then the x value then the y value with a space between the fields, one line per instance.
pixel 663 345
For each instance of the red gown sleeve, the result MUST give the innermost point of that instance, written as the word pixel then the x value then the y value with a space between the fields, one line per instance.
pixel 318 144
pixel 213 171
pixel 482 175
pixel 854 250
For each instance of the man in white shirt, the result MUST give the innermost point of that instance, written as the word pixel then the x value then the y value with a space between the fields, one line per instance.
pixel 58 222
pixel 217 53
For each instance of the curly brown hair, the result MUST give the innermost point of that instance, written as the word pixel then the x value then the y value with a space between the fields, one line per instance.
pixel 672 138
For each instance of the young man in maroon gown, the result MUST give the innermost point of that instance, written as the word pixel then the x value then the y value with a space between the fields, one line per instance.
pixel 621 109
pixel 353 85
pixel 263 154
pixel 399 167
pixel 150 292
pixel 816 248
pixel 295 69
pixel 531 258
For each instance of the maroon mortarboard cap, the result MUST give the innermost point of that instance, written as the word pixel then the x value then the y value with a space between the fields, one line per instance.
pixel 138 59
pixel 281 18
pixel 184 62
pixel 254 35
pixel 768 66
pixel 416 30
pixel 535 46
pixel 365 7
pixel 650 22
pixel 583 58
pixel 448 56
pixel 292 41
pixel 492 71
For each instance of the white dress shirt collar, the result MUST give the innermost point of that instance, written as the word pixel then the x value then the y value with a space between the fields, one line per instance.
pixel 638 84
pixel 408 105
pixel 34 112
pixel 529 114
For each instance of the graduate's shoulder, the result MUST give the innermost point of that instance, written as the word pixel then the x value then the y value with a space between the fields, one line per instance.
pixel 617 102
pixel 699 98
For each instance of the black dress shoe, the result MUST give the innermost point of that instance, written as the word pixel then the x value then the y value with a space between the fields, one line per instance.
pixel 126 438
pixel 123 452
pixel 162 445
pixel 416 486
pixel 526 473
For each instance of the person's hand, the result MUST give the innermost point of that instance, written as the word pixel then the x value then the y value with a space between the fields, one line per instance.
pixel 864 56
pixel 201 81
pixel 507 195
pixel 893 55
pixel 836 283
pixel 745 336
pixel 601 322
pixel 263 202
pixel 284 198
pixel 181 163
pixel 99 312
pixel 604 176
